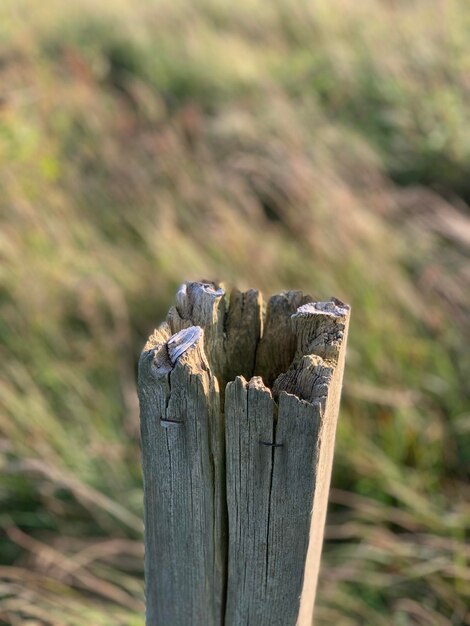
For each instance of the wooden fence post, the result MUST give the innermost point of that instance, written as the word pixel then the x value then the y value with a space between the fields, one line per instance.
pixel 238 425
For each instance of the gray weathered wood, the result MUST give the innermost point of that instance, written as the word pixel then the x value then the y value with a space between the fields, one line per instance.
pixel 277 346
pixel 243 331
pixel 234 532
pixel 281 588
pixel 249 421
pixel 269 491
pixel 231 334
pixel 330 324
pixel 182 440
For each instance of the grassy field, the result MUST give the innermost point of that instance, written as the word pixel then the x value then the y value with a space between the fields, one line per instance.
pixel 315 145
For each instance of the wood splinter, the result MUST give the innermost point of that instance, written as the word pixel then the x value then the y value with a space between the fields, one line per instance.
pixel 238 419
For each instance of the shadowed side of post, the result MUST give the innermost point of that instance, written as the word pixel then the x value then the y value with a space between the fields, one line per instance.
pixel 270 480
pixel 323 331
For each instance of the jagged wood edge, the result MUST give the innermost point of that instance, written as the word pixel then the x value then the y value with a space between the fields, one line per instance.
pixel 184 481
pixel 303 369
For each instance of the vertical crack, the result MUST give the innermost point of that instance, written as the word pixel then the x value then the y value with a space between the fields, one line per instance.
pixel 268 521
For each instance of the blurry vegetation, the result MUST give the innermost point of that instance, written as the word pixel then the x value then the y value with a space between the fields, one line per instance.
pixel 315 145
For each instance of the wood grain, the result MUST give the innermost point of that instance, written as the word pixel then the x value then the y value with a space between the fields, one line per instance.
pixel 236 483
pixel 269 491
pixel 184 490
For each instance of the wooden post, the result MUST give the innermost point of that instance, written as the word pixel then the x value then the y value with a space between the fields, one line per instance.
pixel 238 426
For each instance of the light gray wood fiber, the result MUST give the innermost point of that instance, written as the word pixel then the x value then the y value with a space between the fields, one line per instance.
pixel 238 421
pixel 184 490
pixel 269 495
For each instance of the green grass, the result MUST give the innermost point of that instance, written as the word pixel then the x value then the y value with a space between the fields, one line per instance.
pixel 279 145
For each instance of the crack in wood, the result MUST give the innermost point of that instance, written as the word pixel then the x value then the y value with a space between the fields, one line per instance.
pixel 243 496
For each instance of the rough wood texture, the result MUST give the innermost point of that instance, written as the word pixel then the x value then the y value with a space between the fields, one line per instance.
pixel 243 331
pixel 182 439
pixel 328 338
pixel 269 482
pixel 269 494
pixel 278 343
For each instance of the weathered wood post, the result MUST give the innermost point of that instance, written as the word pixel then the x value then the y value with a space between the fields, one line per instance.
pixel 238 420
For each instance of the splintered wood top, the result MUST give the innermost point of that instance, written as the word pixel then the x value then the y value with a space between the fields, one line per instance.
pixel 239 403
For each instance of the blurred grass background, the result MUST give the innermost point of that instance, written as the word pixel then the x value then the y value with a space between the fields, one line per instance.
pixel 316 145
